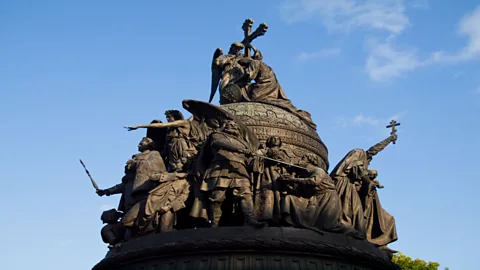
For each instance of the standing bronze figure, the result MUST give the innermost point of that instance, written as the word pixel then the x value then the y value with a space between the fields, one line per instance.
pixel 225 160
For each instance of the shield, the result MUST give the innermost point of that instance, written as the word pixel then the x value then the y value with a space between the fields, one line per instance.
pixel 232 93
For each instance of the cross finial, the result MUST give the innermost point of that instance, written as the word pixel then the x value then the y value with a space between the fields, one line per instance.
pixel 392 125
pixel 249 36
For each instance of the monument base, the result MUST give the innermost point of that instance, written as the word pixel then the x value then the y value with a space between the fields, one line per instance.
pixel 246 248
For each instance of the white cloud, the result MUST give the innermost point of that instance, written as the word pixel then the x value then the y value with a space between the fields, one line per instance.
pixel 398 116
pixel 386 59
pixel 385 62
pixel 106 207
pixel 357 120
pixel 304 56
pixel 467 27
pixel 348 15
pixel 362 120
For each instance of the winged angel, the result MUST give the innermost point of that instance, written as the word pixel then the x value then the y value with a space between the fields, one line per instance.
pixel 225 71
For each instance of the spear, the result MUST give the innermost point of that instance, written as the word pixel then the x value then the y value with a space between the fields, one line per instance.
pixel 91 179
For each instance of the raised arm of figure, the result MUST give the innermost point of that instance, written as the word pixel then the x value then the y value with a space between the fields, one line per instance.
pixel 177 123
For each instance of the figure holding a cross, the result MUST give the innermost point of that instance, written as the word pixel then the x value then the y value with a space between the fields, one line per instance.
pixel 225 68
pixel 236 71
pixel 357 187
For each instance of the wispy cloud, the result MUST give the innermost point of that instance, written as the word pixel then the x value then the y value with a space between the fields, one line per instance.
pixel 361 120
pixel 468 27
pixel 304 56
pixel 398 116
pixel 386 58
pixel 348 15
pixel 385 61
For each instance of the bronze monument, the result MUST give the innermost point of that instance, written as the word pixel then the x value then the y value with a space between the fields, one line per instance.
pixel 245 185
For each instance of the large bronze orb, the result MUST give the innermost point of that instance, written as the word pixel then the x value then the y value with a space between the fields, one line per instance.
pixel 267 120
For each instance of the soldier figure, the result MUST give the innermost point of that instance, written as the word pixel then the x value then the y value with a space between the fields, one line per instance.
pixel 137 182
pixel 124 188
pixel 224 156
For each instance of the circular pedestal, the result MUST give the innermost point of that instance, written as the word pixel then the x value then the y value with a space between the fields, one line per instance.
pixel 246 248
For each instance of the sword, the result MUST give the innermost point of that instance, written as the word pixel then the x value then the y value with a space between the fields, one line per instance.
pixel 91 179
pixel 283 162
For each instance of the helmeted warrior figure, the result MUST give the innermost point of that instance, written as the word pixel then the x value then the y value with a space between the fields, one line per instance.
pixel 224 156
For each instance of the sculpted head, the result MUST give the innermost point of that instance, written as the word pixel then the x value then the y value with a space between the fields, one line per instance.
pixel 146 144
pixel 235 48
pixel 173 115
pixel 372 174
pixel 111 216
pixel 309 160
pixel 231 128
pixel 273 141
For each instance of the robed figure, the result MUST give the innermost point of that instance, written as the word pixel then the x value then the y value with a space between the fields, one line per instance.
pixel 350 175
pixel 380 225
pixel 265 174
pixel 311 201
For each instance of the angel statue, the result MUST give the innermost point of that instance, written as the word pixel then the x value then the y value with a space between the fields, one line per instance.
pixel 225 68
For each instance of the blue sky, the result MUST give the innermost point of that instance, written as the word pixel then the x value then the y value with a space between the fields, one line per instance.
pixel 73 73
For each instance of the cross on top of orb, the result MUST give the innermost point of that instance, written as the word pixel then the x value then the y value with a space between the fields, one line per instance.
pixel 249 36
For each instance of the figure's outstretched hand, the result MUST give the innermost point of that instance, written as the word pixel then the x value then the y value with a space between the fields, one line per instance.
pixel 131 128
pixel 393 137
pixel 100 192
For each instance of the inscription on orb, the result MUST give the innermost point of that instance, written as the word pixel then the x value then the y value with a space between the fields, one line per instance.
pixel 267 120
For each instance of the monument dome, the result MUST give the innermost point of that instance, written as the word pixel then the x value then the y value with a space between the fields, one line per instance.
pixel 267 120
